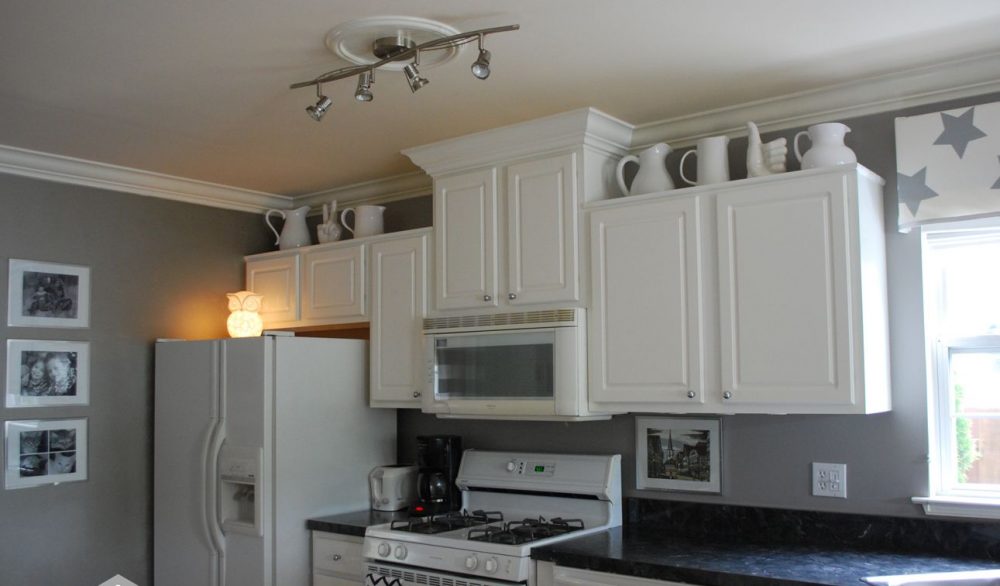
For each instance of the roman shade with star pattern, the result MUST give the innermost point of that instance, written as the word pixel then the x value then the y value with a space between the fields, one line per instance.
pixel 948 165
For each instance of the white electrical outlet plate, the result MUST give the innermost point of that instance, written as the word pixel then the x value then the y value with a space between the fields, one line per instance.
pixel 829 480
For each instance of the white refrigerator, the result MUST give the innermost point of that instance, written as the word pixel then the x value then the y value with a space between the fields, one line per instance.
pixel 252 437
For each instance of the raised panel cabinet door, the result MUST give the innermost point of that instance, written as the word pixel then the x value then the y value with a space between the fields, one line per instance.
pixel 333 284
pixel 784 293
pixel 542 242
pixel 646 318
pixel 399 303
pixel 277 279
pixel 465 225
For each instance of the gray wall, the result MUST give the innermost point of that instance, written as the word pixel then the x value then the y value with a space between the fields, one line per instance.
pixel 158 269
pixel 766 459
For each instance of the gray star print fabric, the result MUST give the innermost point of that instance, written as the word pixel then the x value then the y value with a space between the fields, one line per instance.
pixel 948 165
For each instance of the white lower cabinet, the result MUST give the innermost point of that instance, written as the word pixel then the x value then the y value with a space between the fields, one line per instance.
pixel 549 574
pixel 399 304
pixel 336 559
pixel 765 295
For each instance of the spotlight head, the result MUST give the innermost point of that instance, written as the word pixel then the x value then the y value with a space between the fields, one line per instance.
pixel 364 91
pixel 481 67
pixel 413 77
pixel 317 111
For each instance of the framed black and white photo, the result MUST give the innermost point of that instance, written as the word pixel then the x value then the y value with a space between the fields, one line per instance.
pixel 45 451
pixel 677 453
pixel 42 373
pixel 48 295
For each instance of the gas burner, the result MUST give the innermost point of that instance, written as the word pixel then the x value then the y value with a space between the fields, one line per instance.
pixel 447 522
pixel 526 531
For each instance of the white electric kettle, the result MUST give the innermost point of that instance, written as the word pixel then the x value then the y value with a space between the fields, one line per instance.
pixel 393 487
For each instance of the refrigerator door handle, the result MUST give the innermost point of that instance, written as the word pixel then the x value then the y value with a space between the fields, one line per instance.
pixel 212 514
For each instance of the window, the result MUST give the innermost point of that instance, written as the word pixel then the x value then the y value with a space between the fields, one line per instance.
pixel 962 320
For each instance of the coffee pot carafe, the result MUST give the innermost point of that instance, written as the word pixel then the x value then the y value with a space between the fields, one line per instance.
pixel 438 459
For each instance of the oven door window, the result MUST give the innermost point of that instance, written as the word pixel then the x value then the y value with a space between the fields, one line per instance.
pixel 498 365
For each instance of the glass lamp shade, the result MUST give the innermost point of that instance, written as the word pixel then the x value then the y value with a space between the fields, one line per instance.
pixel 244 321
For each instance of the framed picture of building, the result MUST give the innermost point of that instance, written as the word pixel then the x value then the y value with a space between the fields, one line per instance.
pixel 678 453
pixel 44 373
pixel 48 295
pixel 45 451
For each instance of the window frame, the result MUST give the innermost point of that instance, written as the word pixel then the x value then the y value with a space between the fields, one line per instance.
pixel 947 496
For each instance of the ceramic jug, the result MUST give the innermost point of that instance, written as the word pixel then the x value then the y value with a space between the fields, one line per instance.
pixel 652 175
pixel 294 233
pixel 367 220
pixel 713 161
pixel 828 147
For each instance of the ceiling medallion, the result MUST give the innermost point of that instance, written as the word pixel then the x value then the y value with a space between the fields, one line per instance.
pixel 395 43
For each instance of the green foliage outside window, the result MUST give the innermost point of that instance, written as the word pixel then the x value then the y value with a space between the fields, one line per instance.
pixel 965 444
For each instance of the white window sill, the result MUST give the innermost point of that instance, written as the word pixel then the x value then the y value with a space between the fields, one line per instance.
pixel 959 506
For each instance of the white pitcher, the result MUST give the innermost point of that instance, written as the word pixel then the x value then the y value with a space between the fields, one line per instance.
pixel 828 148
pixel 294 233
pixel 367 220
pixel 713 161
pixel 652 175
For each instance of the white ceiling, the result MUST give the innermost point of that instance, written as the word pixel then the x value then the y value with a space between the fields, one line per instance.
pixel 199 88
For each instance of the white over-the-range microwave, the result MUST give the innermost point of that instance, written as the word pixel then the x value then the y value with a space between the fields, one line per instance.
pixel 526 365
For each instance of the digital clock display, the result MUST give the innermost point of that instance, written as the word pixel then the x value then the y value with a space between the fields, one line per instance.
pixel 539 469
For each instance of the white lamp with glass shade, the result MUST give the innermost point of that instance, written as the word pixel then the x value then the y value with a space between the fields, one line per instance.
pixel 244 321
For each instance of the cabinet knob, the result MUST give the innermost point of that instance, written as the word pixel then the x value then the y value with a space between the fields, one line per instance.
pixel 416 394
pixel 727 395
pixel 487 298
pixel 691 394
pixel 335 557
pixel 512 296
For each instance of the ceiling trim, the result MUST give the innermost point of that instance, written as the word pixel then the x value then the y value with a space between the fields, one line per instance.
pixel 50 167
pixel 376 191
pixel 948 80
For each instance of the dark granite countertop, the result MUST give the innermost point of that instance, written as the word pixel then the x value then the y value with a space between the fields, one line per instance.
pixel 652 553
pixel 353 523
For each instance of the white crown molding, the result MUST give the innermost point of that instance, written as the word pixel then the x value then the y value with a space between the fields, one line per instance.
pixel 38 165
pixel 960 78
pixel 584 126
pixel 376 191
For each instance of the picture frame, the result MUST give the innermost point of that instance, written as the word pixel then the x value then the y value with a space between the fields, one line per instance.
pixel 45 373
pixel 679 454
pixel 48 295
pixel 44 451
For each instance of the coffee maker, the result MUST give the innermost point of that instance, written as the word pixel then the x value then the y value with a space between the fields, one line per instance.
pixel 438 458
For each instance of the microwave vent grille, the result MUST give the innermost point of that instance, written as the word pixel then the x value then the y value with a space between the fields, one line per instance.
pixel 522 318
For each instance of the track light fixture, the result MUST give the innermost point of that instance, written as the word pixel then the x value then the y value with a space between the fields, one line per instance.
pixel 481 66
pixel 413 76
pixel 323 104
pixel 364 91
pixel 390 50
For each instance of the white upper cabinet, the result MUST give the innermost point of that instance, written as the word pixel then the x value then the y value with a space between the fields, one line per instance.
pixel 542 234
pixel 645 332
pixel 277 279
pixel 333 283
pixel 507 205
pixel 465 222
pixel 799 261
pixel 788 299
pixel 399 304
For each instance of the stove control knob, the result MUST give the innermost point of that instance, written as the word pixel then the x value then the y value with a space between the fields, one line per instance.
pixel 471 562
pixel 491 565
pixel 384 549
pixel 400 552
pixel 511 466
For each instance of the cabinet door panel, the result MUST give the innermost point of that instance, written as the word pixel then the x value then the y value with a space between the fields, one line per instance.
pixel 784 290
pixel 399 284
pixel 646 319
pixel 542 249
pixel 465 209
pixel 278 281
pixel 334 283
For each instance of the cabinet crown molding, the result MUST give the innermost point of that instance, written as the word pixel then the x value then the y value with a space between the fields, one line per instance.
pixel 586 127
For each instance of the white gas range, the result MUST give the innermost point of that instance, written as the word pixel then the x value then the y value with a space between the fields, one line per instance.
pixel 511 503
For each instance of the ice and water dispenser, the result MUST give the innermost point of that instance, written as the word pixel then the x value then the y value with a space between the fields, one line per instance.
pixel 241 505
